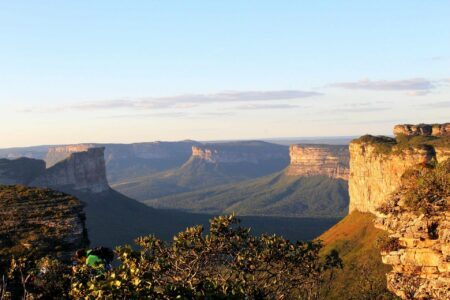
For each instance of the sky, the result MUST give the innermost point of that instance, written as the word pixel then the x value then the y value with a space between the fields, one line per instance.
pixel 134 71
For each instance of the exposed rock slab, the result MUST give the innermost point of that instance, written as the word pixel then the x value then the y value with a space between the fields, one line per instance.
pixel 80 171
pixel 38 222
pixel 311 160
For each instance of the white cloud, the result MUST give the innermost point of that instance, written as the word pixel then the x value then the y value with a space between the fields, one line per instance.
pixel 415 84
pixel 184 101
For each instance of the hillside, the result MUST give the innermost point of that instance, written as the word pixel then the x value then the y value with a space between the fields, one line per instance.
pixel 36 222
pixel 274 195
pixel 364 274
pixel 210 165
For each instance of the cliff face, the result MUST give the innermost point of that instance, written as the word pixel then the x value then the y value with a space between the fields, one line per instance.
pixel 60 153
pixel 332 161
pixel 423 130
pixel 249 152
pixel 421 265
pixel 80 171
pixel 374 175
pixel 421 256
pixel 33 221
pixel 377 164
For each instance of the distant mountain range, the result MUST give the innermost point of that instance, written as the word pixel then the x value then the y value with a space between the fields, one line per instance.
pixel 210 165
pixel 273 195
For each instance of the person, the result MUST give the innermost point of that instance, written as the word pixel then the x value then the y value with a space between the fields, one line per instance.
pixel 89 258
pixel 99 258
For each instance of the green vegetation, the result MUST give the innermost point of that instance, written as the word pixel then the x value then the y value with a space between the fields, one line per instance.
pixel 113 219
pixel 387 145
pixel 388 244
pixel 196 174
pixel 363 275
pixel 424 189
pixel 34 221
pixel 227 263
pixel 275 195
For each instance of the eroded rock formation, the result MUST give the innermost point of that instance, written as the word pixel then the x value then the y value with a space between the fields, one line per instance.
pixel 377 164
pixel 422 129
pixel 80 171
pixel 40 222
pixel 421 265
pixel 309 160
pixel 60 153
pixel 249 152
pixel 421 262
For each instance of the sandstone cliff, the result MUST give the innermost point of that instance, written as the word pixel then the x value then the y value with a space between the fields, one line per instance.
pixel 309 160
pixel 377 164
pixel 38 222
pixel 423 130
pixel 60 153
pixel 80 171
pixel 419 247
pixel 237 152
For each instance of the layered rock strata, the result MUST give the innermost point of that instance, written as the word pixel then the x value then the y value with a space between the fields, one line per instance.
pixel 421 260
pixel 249 152
pixel 80 171
pixel 422 129
pixel 40 222
pixel 310 160
pixel 421 265
pixel 377 164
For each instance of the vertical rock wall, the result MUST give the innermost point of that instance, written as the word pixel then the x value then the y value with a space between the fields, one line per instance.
pixel 332 161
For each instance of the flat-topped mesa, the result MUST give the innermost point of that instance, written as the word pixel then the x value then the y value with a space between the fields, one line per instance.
pixel 310 160
pixel 239 152
pixel 377 164
pixel 80 171
pixel 60 153
pixel 436 130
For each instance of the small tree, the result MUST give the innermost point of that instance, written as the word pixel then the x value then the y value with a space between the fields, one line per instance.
pixel 226 263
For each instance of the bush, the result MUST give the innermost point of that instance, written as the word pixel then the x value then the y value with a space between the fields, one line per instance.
pixel 389 244
pixel 226 263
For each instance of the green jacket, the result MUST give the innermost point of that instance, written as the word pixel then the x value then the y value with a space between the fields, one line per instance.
pixel 93 260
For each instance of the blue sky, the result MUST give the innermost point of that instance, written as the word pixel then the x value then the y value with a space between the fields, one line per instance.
pixel 125 71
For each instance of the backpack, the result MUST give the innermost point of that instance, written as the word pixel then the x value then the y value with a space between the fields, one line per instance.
pixel 104 253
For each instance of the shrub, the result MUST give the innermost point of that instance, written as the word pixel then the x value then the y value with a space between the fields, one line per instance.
pixel 226 263
pixel 388 244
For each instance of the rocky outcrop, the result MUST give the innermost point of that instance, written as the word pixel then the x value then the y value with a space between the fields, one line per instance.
pixel 374 175
pixel 377 164
pixel 310 160
pixel 421 264
pixel 238 152
pixel 40 222
pixel 80 171
pixel 117 152
pixel 60 153
pixel 20 171
pixel 420 243
pixel 422 130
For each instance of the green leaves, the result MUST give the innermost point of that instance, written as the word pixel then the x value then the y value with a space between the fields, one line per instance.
pixel 226 263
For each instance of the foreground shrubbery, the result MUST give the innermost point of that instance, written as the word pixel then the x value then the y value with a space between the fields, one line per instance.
pixel 226 263
pixel 424 189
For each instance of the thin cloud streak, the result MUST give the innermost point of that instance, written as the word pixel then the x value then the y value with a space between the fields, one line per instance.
pixel 415 84
pixel 183 101
pixel 266 106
